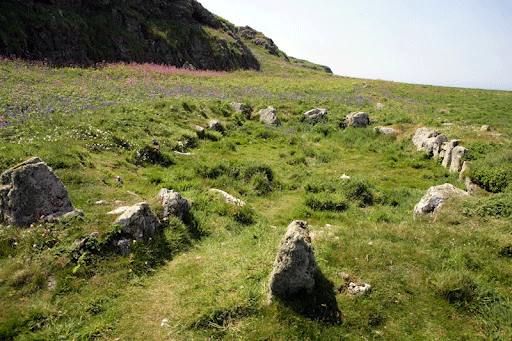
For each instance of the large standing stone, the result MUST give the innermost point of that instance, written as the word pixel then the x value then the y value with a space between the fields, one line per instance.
pixel 30 191
pixel 139 221
pixel 457 154
pixel 173 203
pixel 295 265
pixel 446 152
pixel 429 140
pixel 269 116
pixel 315 114
pixel 357 119
pixel 435 197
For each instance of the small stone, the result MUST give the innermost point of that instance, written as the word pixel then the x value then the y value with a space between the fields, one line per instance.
pixel 119 210
pixel 102 202
pixel 215 125
pixel 485 128
pixel 345 176
pixel 356 290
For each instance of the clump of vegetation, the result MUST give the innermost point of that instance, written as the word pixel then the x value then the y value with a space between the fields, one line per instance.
pixel 493 172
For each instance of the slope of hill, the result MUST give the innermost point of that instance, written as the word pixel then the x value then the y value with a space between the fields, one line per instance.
pixel 206 277
pixel 179 33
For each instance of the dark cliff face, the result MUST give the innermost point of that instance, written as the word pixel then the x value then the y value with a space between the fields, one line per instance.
pixel 174 32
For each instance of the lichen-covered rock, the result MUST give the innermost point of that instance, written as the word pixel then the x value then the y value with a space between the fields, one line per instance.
pixel 173 203
pixel 228 197
pixel 295 265
pixel 315 114
pixel 446 152
pixel 357 120
pixel 215 125
pixel 429 140
pixel 457 154
pixel 31 191
pixel 269 116
pixel 435 197
pixel 386 130
pixel 139 221
pixel 358 289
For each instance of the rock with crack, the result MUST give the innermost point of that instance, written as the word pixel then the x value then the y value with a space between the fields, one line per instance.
pixel 295 266
pixel 315 114
pixel 228 197
pixel 173 203
pixel 139 221
pixel 457 153
pixel 31 191
pixel 429 140
pixel 269 116
pixel 434 198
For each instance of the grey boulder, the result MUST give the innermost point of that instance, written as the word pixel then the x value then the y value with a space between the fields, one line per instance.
pixel 315 114
pixel 434 198
pixel 295 266
pixel 357 120
pixel 139 221
pixel 31 191
pixel 429 140
pixel 173 203
pixel 269 116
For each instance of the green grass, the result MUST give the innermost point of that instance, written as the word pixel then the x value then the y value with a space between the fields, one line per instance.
pixel 208 274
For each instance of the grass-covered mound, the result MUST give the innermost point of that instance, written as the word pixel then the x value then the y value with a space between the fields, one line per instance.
pixel 206 276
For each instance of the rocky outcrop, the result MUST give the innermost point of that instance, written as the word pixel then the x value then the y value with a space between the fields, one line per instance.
pixel 357 120
pixel 295 266
pixel 31 191
pixel 269 116
pixel 173 203
pixel 138 221
pixel 434 198
pixel 429 141
pixel 86 32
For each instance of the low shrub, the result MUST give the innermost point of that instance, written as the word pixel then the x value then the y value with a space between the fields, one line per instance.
pixel 327 202
pixel 496 206
pixel 150 155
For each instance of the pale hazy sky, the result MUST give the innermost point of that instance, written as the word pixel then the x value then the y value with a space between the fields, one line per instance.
pixel 464 43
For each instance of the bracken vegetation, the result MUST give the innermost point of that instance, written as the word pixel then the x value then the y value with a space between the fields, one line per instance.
pixel 446 276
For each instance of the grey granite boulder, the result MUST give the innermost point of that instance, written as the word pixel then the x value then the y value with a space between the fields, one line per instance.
pixel 269 116
pixel 295 265
pixel 446 152
pixel 139 221
pixel 173 203
pixel 457 153
pixel 31 191
pixel 429 140
pixel 357 120
pixel 315 114
pixel 435 197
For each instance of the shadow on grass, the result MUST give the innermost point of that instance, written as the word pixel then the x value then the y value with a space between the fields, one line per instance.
pixel 318 305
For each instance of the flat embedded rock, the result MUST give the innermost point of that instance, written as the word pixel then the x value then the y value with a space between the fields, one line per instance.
pixel 434 198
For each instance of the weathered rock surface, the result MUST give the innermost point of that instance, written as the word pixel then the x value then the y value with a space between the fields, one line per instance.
pixel 358 289
pixel 457 154
pixel 429 140
pixel 215 125
pixel 315 114
pixel 295 265
pixel 386 130
pixel 435 197
pixel 269 116
pixel 173 203
pixel 30 191
pixel 357 120
pixel 139 221
pixel 241 108
pixel 446 152
pixel 228 197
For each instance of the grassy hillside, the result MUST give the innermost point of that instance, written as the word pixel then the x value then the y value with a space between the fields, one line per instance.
pixel 445 277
